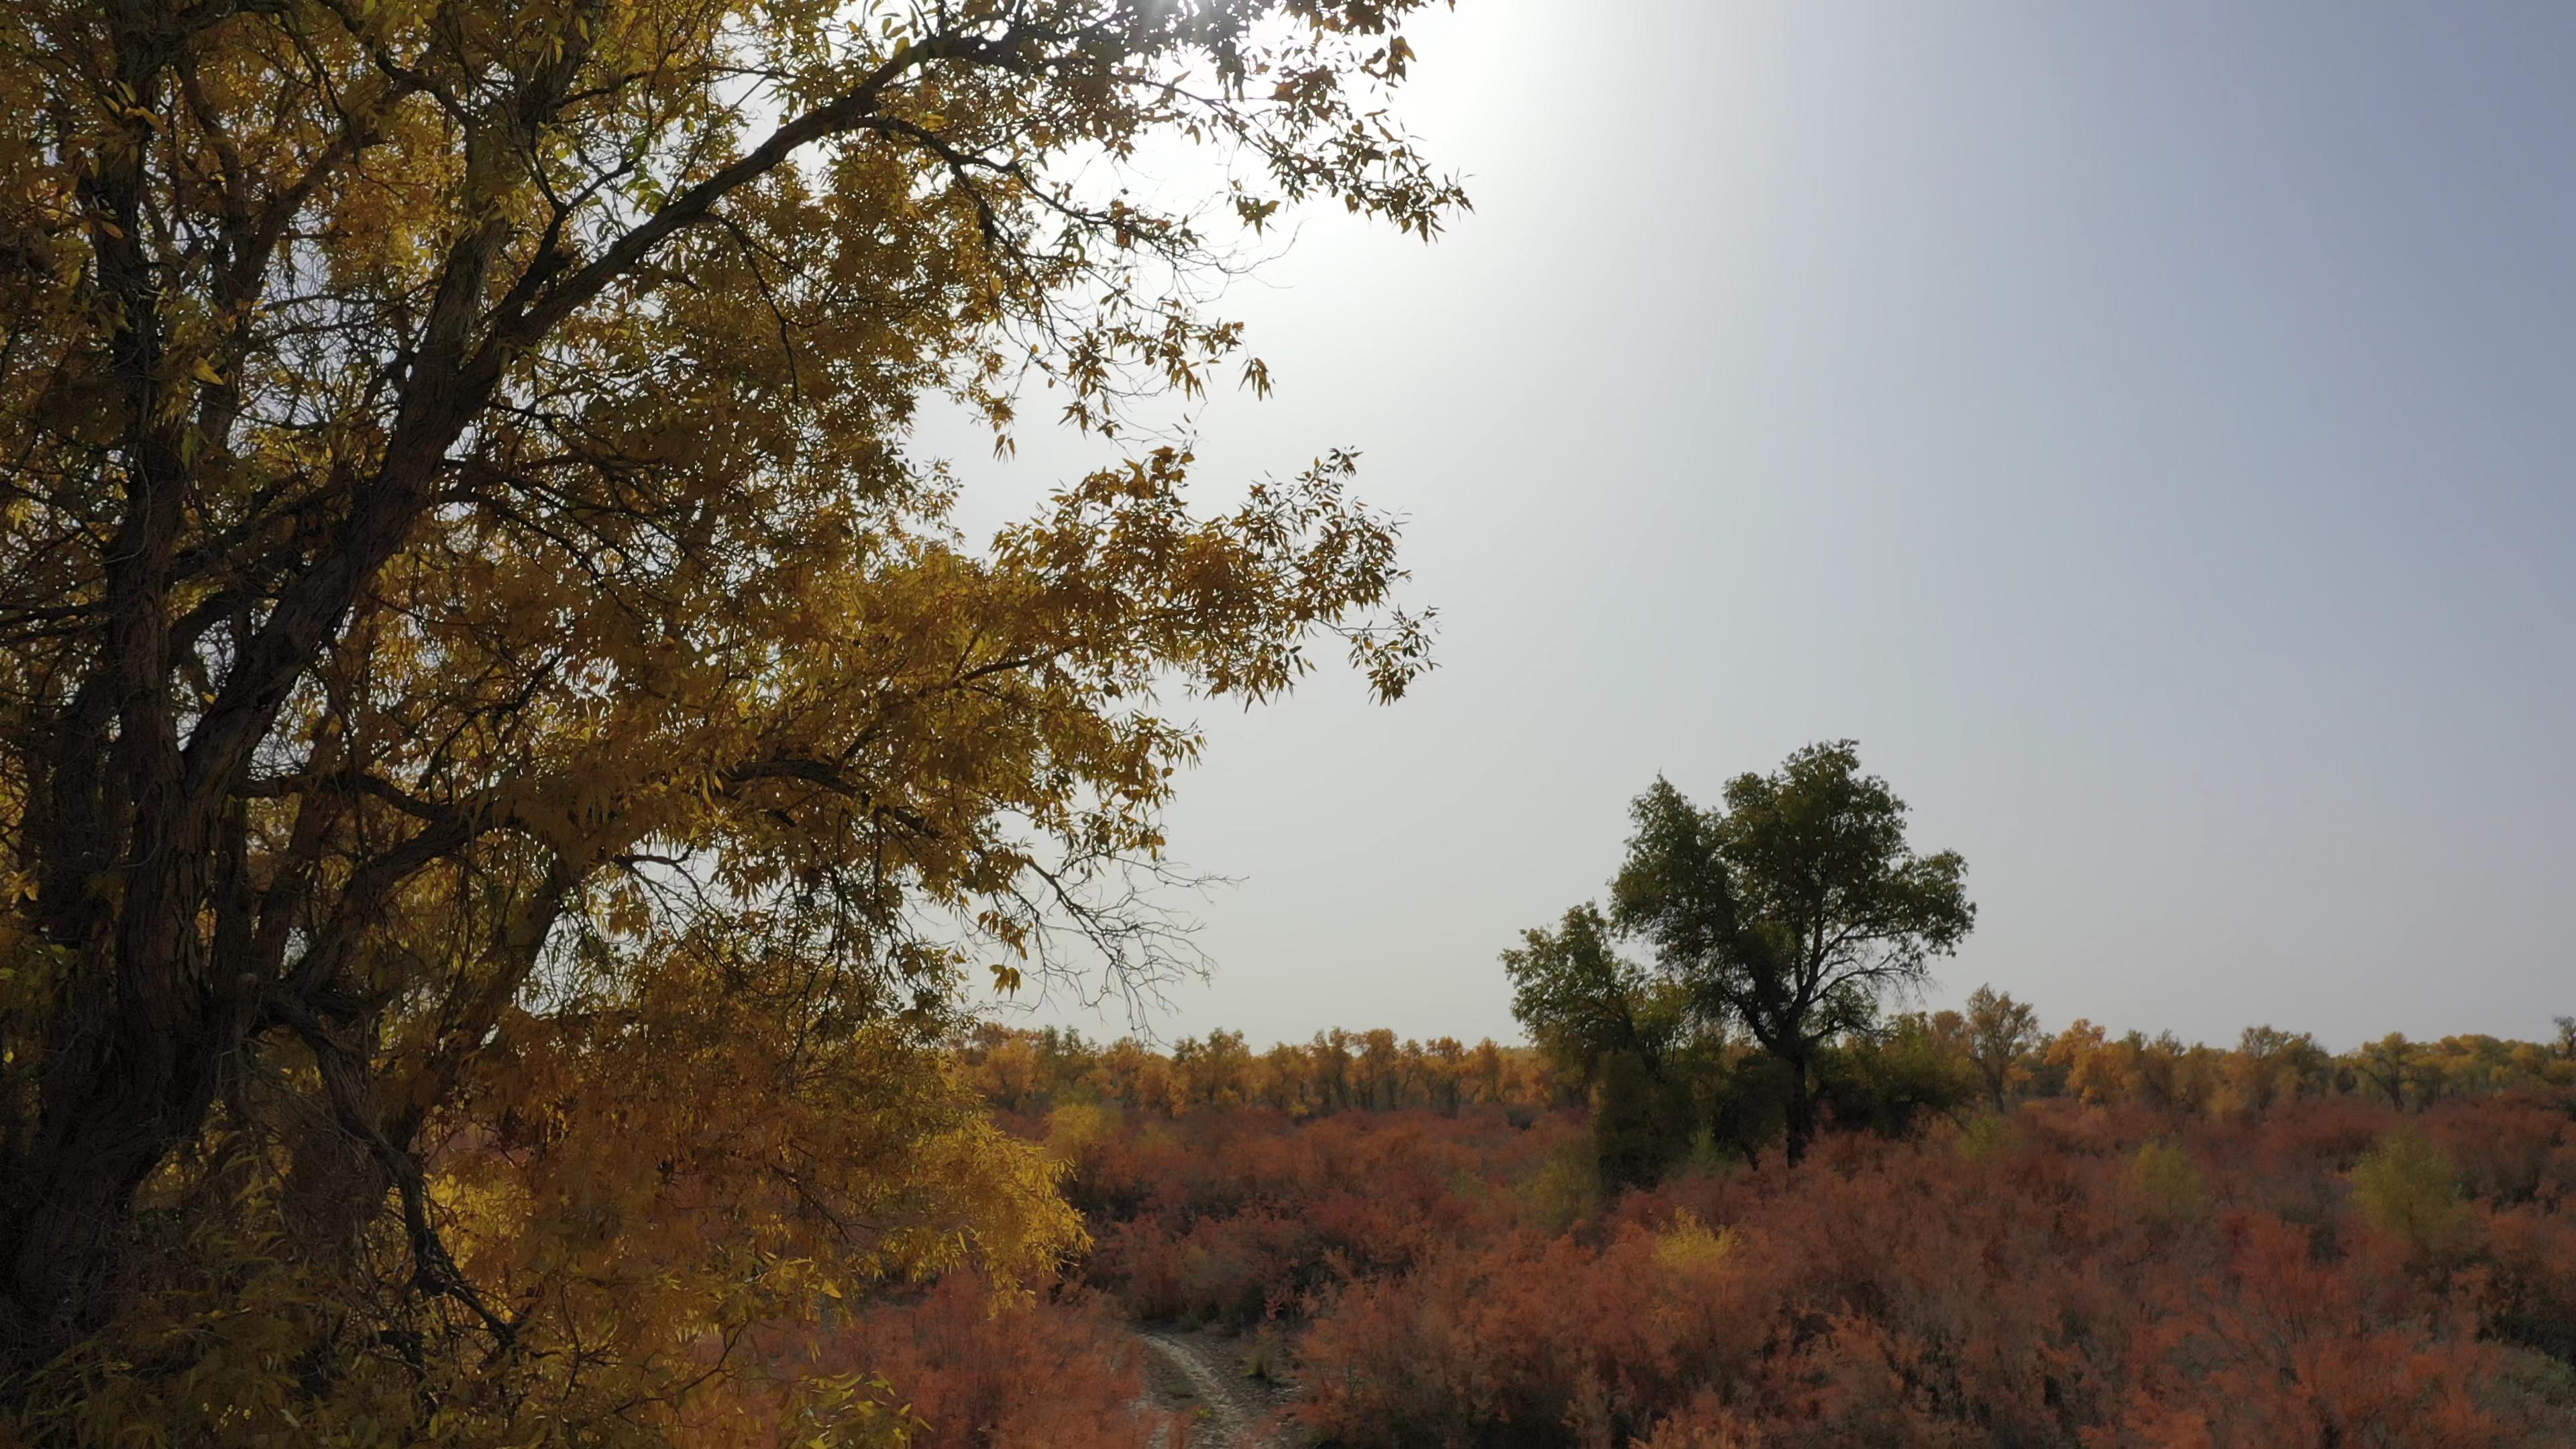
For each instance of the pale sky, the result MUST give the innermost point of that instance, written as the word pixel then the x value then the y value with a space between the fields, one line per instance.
pixel 2147 430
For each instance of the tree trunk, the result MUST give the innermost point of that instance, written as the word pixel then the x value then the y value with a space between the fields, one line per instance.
pixel 1802 1108
pixel 74 1201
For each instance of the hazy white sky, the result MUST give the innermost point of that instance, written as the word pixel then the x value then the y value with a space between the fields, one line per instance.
pixel 2148 430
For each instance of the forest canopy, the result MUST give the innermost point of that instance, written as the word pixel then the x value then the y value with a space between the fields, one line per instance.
pixel 508 768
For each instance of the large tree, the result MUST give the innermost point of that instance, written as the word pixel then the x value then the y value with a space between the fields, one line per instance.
pixel 478 662
pixel 1794 909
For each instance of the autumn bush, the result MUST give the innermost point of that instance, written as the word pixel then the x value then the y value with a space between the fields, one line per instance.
pixel 1237 1216
pixel 973 1369
pixel 1533 1340
pixel 2069 1274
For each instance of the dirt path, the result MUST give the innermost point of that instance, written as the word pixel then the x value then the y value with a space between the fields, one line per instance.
pixel 1198 1374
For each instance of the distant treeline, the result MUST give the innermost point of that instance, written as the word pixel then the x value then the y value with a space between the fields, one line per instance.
pixel 1990 1056
pixel 1338 1071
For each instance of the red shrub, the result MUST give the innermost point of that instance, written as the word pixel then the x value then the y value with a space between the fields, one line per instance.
pixel 983 1372
pixel 2508 1149
pixel 2100 1275
pixel 2533 1288
pixel 2280 1348
pixel 1538 1341
pixel 1237 1216
pixel 1927 1293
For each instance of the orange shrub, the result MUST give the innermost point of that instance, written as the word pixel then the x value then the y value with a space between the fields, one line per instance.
pixel 977 1370
pixel 1238 1216
pixel 2282 1348
pixel 2108 1274
pixel 1539 1341
pixel 2513 1148
pixel 2020 1289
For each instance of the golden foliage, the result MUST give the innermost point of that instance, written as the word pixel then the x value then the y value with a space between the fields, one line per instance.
pixel 634 1188
pixel 508 766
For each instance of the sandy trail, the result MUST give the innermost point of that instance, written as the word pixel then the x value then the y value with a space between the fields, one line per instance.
pixel 1197 1374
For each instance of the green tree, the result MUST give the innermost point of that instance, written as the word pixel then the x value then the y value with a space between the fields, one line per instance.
pixel 1794 909
pixel 2406 1186
pixel 1581 1001
pixel 1886 1079
pixel 1641 1121
pixel 1610 1027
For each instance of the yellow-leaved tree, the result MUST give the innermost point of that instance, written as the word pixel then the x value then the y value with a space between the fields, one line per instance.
pixel 507 765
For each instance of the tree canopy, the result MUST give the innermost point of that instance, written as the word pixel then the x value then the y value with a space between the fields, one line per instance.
pixel 1794 908
pixel 1581 1001
pixel 506 761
